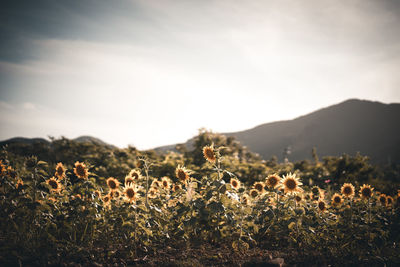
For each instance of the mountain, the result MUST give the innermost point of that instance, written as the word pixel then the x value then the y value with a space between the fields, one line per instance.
pixel 371 128
pixel 33 141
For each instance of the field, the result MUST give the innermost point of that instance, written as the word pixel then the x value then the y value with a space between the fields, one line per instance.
pixel 218 204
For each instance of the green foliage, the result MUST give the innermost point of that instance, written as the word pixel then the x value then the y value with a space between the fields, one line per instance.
pixel 41 225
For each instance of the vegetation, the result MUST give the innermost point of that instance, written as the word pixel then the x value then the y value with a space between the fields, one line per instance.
pixel 73 203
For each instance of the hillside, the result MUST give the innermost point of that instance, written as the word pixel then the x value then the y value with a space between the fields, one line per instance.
pixel 371 128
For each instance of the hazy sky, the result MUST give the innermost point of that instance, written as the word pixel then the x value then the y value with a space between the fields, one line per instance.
pixel 151 73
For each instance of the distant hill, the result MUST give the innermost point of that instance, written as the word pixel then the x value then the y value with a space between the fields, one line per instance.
pixel 371 128
pixel 32 141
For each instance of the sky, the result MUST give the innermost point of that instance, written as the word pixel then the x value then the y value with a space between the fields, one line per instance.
pixel 151 73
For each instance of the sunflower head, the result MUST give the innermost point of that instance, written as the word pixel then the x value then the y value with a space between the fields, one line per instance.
pixel 112 183
pixel 155 184
pixel 55 186
pixel 366 191
pixel 19 183
pixel 129 180
pixel 209 153
pixel 165 182
pixel 97 193
pixel 337 200
pixel 291 184
pixel 135 174
pixel 389 200
pixel 80 170
pixel 235 183
pixel 130 193
pixel 347 190
pixel 254 193
pixel 273 181
pixel 60 171
pixel 182 174
pixel 176 187
pixel 321 205
pixel 259 186
pixel 153 193
pixel 298 198
pixel 245 199
pixel 106 199
pixel 115 194
pixel 383 199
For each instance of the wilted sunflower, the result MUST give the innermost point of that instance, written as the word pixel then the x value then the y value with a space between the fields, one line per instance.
pixel 273 181
pixel 112 183
pixel 182 174
pixel 347 190
pixel 134 174
pixel 321 205
pixel 337 200
pixel 209 153
pixel 366 191
pixel 177 187
pixel 383 199
pixel 259 187
pixel 54 184
pixel 60 171
pixel 166 184
pixel 130 193
pixel 235 183
pixel 253 193
pixel 80 170
pixel 291 184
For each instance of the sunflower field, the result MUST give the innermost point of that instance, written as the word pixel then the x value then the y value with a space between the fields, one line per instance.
pixel 215 204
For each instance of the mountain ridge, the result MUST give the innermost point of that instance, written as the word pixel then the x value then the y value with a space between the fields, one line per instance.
pixel 351 126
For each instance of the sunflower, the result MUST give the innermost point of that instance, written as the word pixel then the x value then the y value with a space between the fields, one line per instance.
pixel 259 187
pixel 273 181
pixel 155 184
pixel 54 185
pixel 337 200
pixel 253 193
pixel 383 199
pixel 19 183
pixel 129 180
pixel 172 202
pixel 135 175
pixel 235 183
pixel 112 183
pixel 347 190
pixel 298 198
pixel 321 206
pixel 60 171
pixel 389 200
pixel 114 194
pixel 80 170
pixel 130 193
pixel 165 182
pixel 182 174
pixel 245 199
pixel 106 199
pixel 97 193
pixel 366 191
pixel 153 193
pixel 176 187
pixel 209 153
pixel 291 184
